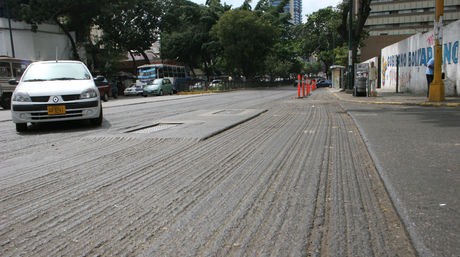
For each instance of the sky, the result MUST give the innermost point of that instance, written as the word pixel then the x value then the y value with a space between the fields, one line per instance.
pixel 308 6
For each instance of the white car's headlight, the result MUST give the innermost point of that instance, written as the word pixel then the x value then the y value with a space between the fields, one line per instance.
pixel 88 93
pixel 21 97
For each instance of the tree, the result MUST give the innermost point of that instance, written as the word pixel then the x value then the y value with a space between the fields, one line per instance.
pixel 179 32
pixel 313 67
pixel 246 41
pixel 357 29
pixel 283 58
pixel 131 25
pixel 318 35
pixel 186 37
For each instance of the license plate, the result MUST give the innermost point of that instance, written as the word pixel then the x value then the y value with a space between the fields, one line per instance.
pixel 56 109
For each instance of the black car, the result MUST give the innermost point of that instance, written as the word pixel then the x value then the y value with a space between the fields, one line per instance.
pixel 324 83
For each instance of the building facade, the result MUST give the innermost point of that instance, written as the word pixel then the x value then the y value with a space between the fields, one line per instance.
pixel 294 8
pixel 17 39
pixel 48 43
pixel 393 20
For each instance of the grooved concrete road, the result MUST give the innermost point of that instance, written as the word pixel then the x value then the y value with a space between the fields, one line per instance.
pixel 294 180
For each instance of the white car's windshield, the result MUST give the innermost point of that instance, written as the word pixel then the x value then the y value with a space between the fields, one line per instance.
pixel 56 71
pixel 157 82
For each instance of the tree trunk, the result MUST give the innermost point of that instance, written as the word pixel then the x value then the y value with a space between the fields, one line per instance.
pixel 146 58
pixel 358 25
pixel 76 56
pixel 134 62
pixel 94 54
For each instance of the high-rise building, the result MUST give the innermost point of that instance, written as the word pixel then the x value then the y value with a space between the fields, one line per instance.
pixel 294 8
pixel 391 21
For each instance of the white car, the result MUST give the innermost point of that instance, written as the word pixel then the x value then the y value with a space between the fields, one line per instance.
pixel 215 83
pixel 133 90
pixel 55 91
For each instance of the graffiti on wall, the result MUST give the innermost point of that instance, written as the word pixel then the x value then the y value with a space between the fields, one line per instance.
pixel 407 60
pixel 422 55
pixel 404 77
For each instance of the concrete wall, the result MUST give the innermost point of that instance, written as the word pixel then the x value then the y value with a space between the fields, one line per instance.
pixel 413 54
pixel 40 45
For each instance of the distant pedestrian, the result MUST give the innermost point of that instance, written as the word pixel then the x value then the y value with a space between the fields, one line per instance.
pixel 372 79
pixel 429 74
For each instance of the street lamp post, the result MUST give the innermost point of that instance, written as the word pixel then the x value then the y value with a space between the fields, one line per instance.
pixel 437 86
pixel 350 46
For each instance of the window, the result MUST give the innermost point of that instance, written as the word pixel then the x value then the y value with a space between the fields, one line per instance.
pixel 18 69
pixel 56 71
pixel 5 69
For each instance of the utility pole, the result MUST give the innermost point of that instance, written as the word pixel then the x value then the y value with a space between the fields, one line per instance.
pixel 11 30
pixel 437 86
pixel 350 45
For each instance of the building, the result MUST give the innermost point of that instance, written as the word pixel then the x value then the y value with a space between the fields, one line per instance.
pixel 391 21
pixel 48 43
pixel 17 39
pixel 294 8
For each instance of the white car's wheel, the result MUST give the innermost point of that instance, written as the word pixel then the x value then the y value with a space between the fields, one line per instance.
pixel 21 127
pixel 97 121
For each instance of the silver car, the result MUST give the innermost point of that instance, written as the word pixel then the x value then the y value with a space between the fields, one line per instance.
pixel 55 91
pixel 158 87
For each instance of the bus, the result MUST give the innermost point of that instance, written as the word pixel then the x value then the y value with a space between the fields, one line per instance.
pixel 10 69
pixel 178 75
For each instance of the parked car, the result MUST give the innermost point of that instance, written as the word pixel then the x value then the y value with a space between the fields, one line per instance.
pixel 215 83
pixel 197 85
pixel 55 91
pixel 324 83
pixel 158 87
pixel 133 90
pixel 104 87
pixel 10 68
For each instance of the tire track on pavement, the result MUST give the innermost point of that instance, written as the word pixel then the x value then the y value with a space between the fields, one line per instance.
pixel 296 180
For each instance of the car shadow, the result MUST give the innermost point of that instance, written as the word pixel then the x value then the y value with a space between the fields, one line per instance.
pixel 64 127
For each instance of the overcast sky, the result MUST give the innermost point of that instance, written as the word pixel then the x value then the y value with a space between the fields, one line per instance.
pixel 308 6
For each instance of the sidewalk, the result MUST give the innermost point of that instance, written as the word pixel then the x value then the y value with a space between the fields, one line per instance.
pixel 395 99
pixel 416 152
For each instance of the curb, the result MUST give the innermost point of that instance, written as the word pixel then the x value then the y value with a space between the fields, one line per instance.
pixel 424 104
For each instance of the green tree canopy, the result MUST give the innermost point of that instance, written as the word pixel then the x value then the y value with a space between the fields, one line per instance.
pixel 246 41
pixel 319 35
pixel 186 33
pixel 284 57
pixel 132 25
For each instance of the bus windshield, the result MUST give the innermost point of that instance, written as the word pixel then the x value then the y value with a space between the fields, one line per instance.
pixel 147 74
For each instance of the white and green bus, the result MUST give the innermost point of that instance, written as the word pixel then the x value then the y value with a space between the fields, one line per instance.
pixel 178 75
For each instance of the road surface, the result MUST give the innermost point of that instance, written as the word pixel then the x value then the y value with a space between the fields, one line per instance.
pixel 290 177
